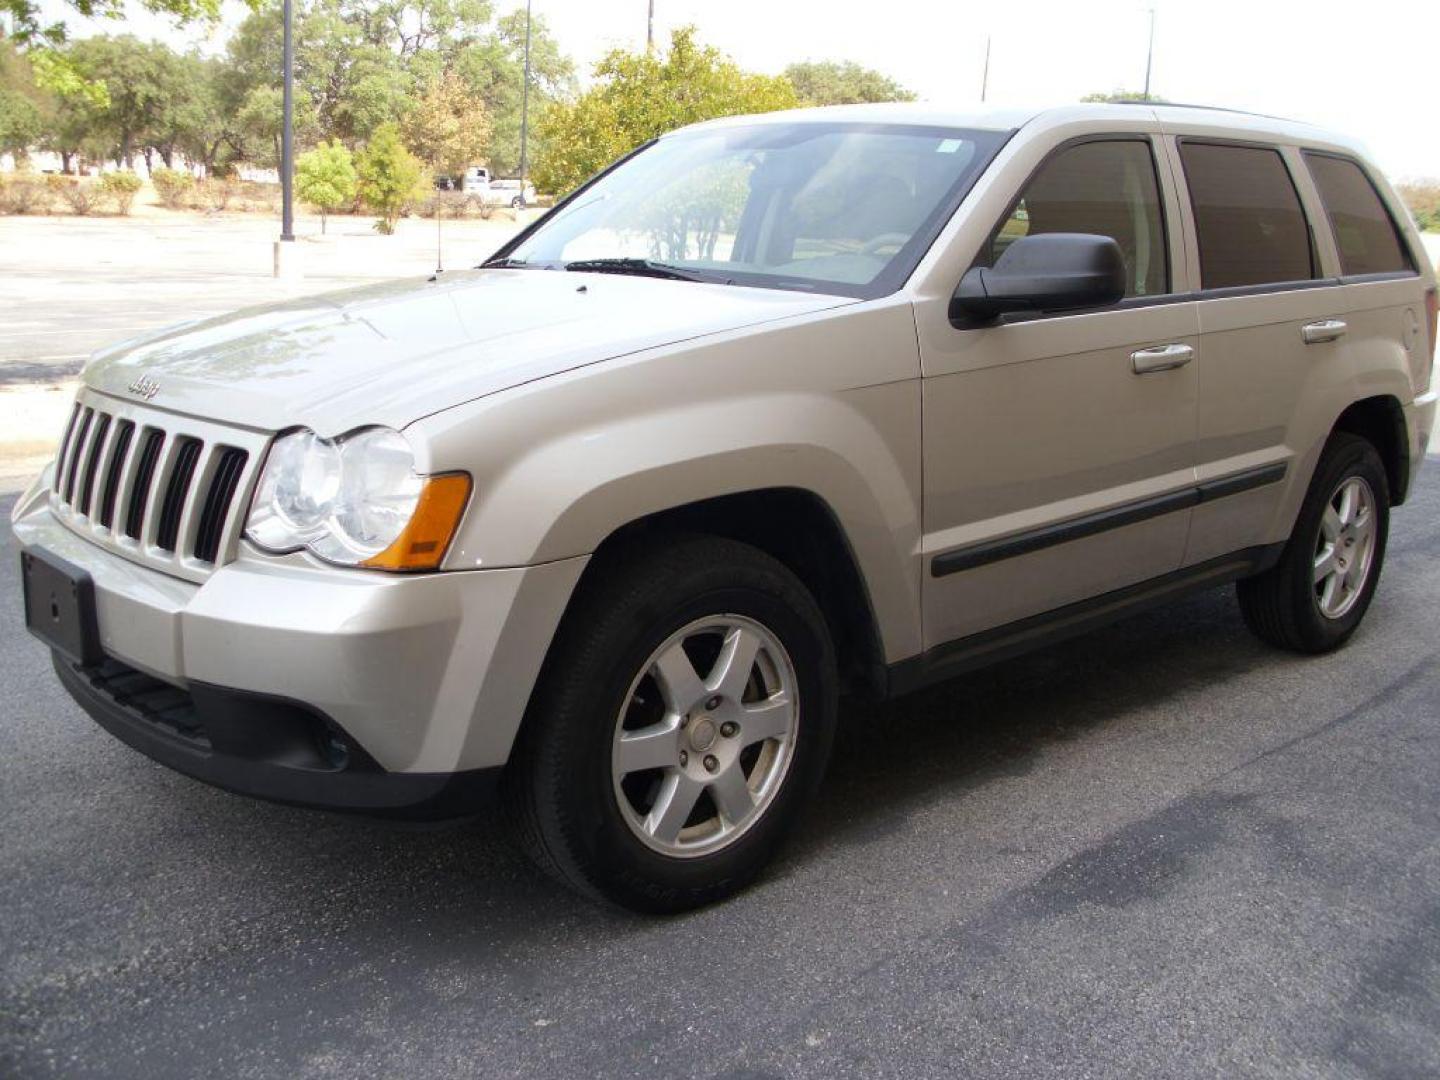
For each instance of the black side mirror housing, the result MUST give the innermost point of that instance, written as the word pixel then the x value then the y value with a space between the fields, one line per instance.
pixel 1048 272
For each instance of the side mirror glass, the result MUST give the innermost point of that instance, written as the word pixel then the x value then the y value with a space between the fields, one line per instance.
pixel 1049 272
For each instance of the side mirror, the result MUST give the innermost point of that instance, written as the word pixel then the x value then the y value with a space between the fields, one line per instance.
pixel 1048 272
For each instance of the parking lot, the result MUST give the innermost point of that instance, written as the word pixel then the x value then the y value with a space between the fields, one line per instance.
pixel 1161 850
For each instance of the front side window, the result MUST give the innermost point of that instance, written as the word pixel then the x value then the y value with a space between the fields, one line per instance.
pixel 1251 228
pixel 844 208
pixel 1105 188
pixel 1365 233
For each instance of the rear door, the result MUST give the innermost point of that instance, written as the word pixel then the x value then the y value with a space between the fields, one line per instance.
pixel 1058 457
pixel 1279 329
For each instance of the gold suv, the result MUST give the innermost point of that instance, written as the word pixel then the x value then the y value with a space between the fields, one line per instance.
pixel 775 408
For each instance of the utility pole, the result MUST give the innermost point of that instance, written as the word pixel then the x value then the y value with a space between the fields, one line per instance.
pixel 1150 54
pixel 650 28
pixel 985 78
pixel 525 104
pixel 286 264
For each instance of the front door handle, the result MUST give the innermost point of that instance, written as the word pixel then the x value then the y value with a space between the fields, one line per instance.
pixel 1324 330
pixel 1161 358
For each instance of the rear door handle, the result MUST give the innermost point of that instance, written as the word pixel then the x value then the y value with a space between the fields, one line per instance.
pixel 1324 330
pixel 1161 358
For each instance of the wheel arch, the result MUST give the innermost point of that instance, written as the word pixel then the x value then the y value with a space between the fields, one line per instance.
pixel 796 527
pixel 1380 421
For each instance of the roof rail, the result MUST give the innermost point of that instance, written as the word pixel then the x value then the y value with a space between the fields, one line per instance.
pixel 1198 105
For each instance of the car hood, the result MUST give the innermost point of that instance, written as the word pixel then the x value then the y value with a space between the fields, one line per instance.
pixel 394 352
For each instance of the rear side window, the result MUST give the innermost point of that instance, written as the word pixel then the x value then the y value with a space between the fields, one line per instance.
pixel 1251 228
pixel 1365 233
pixel 1106 188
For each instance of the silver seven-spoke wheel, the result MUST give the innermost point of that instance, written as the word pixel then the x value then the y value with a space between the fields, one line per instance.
pixel 705 735
pixel 1345 548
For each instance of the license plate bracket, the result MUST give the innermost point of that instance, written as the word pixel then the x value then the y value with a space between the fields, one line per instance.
pixel 60 605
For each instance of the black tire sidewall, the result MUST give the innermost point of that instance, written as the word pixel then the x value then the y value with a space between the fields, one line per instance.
pixel 587 706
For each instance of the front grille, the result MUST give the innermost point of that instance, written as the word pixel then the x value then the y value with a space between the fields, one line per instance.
pixel 161 489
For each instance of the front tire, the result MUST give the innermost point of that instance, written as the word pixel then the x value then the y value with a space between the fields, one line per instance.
pixel 1313 599
pixel 682 722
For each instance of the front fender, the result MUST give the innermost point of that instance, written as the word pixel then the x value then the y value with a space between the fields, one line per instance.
pixel 828 403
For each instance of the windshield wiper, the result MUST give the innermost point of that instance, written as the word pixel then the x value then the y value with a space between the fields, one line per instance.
pixel 510 264
pixel 642 267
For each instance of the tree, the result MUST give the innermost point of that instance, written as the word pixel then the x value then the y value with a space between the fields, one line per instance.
pixel 1122 96
pixel 389 176
pixel 836 82
pixel 494 69
pixel 325 178
pixel 640 95
pixel 449 128
pixel 20 124
pixel 142 79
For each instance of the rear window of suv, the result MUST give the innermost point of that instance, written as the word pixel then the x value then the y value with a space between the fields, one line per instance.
pixel 1365 233
pixel 1252 230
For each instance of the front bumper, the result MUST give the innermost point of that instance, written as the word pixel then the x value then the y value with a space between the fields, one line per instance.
pixel 428 674
pixel 263 747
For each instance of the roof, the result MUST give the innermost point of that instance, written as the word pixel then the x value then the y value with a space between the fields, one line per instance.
pixel 1172 117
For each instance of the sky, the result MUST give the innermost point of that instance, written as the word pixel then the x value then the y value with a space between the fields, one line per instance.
pixel 1345 65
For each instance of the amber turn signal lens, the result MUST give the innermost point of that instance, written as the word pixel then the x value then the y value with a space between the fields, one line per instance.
pixel 423 543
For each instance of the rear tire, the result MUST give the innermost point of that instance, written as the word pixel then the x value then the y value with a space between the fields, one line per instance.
pixel 625 788
pixel 1313 599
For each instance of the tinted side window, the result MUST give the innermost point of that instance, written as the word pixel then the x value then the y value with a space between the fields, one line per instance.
pixel 1365 233
pixel 1251 228
pixel 1105 188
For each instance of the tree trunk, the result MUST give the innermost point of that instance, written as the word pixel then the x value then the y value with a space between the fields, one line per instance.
pixel 322 221
pixel 66 158
pixel 167 155
pixel 149 158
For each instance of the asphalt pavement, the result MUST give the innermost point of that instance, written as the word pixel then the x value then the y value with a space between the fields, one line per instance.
pixel 1162 850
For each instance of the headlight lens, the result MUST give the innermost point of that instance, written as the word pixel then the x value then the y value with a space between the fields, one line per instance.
pixel 354 501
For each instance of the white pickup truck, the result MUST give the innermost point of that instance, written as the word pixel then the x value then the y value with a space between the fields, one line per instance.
pixel 513 193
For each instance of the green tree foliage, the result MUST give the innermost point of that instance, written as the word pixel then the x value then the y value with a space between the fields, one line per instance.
pixel 1423 200
pixel 325 178
pixel 835 82
pixel 389 177
pixel 1123 95
pixel 21 125
pixel 639 95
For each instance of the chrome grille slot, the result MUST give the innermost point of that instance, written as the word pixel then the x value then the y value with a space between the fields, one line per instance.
pixel 77 451
pixel 176 491
pixel 65 446
pixel 230 464
pixel 154 487
pixel 92 462
pixel 140 488
pixel 119 457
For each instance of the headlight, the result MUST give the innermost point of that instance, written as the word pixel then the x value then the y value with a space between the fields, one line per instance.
pixel 355 500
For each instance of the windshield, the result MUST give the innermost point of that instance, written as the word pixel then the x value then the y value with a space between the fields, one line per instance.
pixel 842 208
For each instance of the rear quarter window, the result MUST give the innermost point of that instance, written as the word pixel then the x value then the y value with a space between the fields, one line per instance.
pixel 1365 233
pixel 1251 227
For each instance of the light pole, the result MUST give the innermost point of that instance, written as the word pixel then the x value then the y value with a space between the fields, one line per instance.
pixel 287 136
pixel 287 263
pixel 985 78
pixel 650 28
pixel 1150 54
pixel 525 104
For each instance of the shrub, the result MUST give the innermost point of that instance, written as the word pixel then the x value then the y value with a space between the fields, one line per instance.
pixel 121 188
pixel 81 195
pixel 172 186
pixel 215 194
pixel 23 193
pixel 390 177
pixel 325 178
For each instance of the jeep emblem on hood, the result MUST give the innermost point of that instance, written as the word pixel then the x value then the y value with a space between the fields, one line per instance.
pixel 144 387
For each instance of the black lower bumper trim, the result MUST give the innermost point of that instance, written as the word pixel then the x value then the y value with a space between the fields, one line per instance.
pixel 264 747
